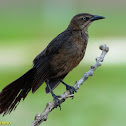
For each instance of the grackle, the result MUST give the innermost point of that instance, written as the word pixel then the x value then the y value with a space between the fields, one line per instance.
pixel 51 66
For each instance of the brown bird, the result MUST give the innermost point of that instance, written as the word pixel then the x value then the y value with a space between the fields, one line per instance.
pixel 51 66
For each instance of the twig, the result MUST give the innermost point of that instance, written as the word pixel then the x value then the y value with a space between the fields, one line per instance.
pixel 39 118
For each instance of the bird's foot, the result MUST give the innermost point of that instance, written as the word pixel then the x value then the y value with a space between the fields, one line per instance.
pixel 68 87
pixel 57 101
pixel 71 89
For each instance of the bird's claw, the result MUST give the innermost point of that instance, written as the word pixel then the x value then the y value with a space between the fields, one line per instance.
pixel 71 89
pixel 57 101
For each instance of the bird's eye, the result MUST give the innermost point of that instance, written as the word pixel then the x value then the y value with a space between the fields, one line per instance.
pixel 84 18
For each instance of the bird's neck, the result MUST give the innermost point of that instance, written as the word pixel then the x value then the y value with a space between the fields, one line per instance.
pixel 85 32
pixel 73 26
pixel 70 28
pixel 84 35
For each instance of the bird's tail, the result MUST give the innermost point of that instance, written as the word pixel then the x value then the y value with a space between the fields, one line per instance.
pixel 11 95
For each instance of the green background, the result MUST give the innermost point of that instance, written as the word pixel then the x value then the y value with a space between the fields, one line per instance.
pixel 26 27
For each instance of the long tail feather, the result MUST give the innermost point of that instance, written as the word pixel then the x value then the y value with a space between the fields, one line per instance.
pixel 11 95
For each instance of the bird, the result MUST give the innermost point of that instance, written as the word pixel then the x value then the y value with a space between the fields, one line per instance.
pixel 52 65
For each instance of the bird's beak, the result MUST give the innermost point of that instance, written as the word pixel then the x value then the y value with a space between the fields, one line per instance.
pixel 96 17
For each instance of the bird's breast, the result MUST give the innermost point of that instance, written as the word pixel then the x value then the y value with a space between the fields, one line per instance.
pixel 68 57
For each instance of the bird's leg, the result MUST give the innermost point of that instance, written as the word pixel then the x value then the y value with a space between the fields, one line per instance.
pixel 68 87
pixel 55 97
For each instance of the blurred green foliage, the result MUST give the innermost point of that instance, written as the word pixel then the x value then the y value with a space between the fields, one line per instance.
pixel 41 19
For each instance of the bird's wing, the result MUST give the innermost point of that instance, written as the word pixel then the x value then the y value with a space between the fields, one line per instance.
pixel 42 61
pixel 52 47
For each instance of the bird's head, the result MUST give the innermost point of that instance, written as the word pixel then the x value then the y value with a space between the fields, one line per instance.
pixel 82 21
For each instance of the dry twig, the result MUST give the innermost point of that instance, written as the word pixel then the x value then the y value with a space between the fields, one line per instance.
pixel 39 118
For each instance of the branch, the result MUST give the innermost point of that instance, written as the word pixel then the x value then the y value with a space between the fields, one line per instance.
pixel 39 118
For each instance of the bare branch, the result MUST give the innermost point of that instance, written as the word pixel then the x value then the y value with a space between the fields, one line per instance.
pixel 39 118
